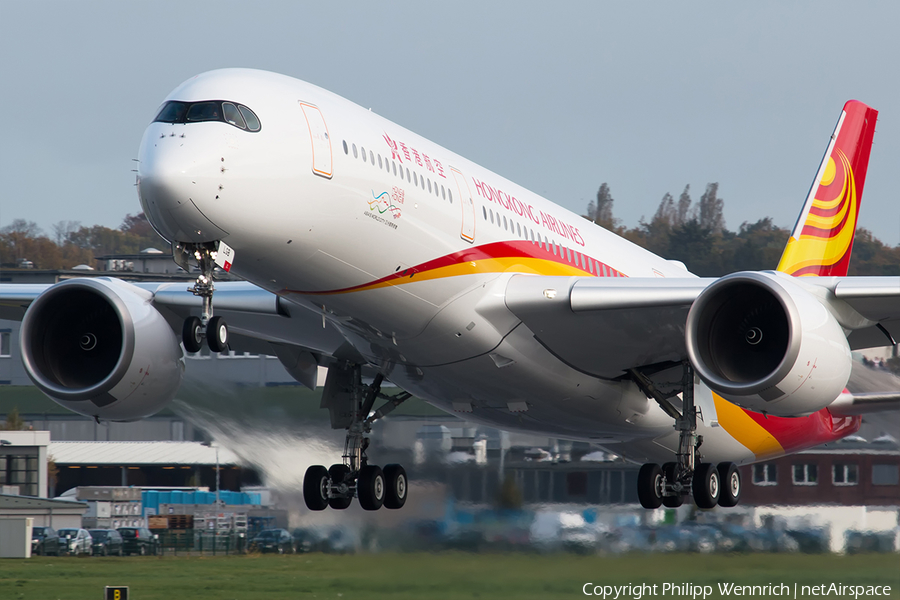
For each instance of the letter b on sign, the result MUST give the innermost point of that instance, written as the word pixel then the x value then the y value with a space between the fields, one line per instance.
pixel 116 593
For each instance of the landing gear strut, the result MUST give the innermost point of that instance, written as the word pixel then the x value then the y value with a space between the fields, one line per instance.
pixel 710 484
pixel 195 329
pixel 350 404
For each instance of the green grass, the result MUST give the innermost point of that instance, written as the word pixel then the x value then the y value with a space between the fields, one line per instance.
pixel 421 576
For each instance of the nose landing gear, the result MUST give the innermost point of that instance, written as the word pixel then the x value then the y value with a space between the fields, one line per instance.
pixel 668 486
pixel 196 329
pixel 350 403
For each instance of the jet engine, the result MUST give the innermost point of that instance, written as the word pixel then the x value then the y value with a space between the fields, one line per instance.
pixel 99 348
pixel 765 343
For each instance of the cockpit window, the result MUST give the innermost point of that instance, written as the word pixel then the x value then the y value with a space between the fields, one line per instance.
pixel 252 121
pixel 205 111
pixel 232 113
pixel 172 112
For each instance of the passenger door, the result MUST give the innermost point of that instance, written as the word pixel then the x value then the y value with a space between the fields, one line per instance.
pixel 467 205
pixel 321 142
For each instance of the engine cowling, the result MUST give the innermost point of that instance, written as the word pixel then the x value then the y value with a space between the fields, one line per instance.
pixel 766 344
pixel 99 348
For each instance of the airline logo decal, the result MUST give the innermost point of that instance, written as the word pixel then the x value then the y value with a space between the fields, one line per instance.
pixel 387 205
pixel 399 150
pixel 498 257
pixel 827 235
pixel 768 437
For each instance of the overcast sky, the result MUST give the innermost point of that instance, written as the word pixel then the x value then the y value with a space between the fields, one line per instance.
pixel 559 97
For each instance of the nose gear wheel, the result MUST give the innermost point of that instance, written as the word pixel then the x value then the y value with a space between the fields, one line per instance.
pixel 195 330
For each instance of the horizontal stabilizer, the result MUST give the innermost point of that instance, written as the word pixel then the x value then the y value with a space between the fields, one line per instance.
pixel 848 404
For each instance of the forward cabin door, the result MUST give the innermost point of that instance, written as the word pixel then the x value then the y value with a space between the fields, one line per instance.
pixel 467 204
pixel 321 142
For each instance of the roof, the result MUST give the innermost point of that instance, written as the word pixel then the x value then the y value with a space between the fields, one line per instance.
pixel 8 501
pixel 138 453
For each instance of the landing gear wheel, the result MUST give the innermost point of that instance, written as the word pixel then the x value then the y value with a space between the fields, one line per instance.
pixel 677 500
pixel 217 334
pixel 191 334
pixel 706 485
pixel 649 484
pixel 336 474
pixel 315 488
pixel 396 486
pixel 730 479
pixel 370 487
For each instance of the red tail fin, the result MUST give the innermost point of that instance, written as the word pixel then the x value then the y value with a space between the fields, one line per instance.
pixel 822 239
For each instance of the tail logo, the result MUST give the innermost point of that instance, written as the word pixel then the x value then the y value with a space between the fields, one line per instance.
pixel 827 234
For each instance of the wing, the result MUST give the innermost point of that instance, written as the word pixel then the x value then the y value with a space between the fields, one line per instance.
pixel 606 326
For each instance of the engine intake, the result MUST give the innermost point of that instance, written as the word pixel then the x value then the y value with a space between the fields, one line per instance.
pixel 99 348
pixel 765 343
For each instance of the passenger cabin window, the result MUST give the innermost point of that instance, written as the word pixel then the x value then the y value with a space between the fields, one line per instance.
pixel 232 113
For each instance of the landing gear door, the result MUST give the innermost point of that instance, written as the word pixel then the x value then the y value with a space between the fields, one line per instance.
pixel 467 204
pixel 321 142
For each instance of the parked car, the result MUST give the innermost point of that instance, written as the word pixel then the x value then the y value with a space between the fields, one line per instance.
pixel 44 541
pixel 107 541
pixel 76 541
pixel 273 540
pixel 139 540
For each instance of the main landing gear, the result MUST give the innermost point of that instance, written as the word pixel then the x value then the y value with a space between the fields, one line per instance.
pixel 350 403
pixel 196 329
pixel 669 484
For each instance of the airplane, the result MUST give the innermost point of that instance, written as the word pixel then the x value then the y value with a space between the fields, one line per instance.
pixel 373 251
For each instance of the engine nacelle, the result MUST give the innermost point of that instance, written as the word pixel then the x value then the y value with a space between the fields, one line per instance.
pixel 99 348
pixel 763 342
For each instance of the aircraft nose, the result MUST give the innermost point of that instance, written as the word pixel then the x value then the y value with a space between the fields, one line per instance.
pixel 176 176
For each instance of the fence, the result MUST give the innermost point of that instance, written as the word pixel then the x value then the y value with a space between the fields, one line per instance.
pixel 195 542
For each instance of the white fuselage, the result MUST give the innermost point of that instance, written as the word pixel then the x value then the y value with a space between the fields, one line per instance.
pixel 405 247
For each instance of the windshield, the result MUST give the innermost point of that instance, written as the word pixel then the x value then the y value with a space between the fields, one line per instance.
pixel 99 534
pixel 65 532
pixel 269 534
pixel 232 113
pixel 129 533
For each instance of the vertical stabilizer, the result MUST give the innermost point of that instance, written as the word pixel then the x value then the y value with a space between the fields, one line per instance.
pixel 822 239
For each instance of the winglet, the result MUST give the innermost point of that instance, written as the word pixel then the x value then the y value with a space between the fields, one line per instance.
pixel 822 239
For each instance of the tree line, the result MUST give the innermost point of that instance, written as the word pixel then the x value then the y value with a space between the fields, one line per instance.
pixel 692 232
pixel 72 244
pixel 695 234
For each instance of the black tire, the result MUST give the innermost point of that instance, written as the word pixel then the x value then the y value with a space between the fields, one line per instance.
pixel 730 479
pixel 668 470
pixel 706 485
pixel 190 335
pixel 370 487
pixel 315 488
pixel 337 473
pixel 217 334
pixel 396 486
pixel 649 485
